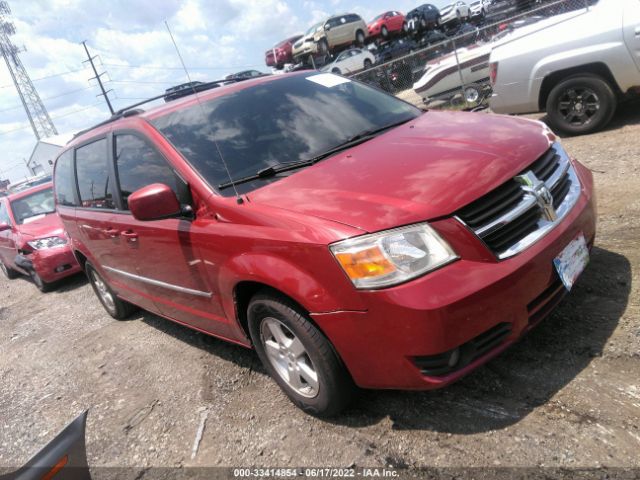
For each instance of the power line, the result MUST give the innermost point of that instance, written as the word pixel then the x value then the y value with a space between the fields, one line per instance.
pixel 50 98
pixel 24 127
pixel 61 74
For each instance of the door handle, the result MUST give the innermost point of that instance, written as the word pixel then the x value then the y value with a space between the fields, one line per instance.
pixel 111 232
pixel 130 235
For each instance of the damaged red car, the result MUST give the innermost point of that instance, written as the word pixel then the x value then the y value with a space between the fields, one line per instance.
pixel 33 241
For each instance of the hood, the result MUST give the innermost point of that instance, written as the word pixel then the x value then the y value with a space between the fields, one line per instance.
pixel 48 226
pixel 423 170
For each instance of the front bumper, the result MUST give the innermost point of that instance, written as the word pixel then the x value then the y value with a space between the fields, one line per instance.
pixel 53 264
pixel 512 99
pixel 384 346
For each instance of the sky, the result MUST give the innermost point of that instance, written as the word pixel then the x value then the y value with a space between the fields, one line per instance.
pixel 215 38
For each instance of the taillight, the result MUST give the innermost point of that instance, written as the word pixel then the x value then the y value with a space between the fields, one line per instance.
pixel 493 72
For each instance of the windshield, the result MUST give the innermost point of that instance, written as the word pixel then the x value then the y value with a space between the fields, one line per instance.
pixel 287 120
pixel 33 206
pixel 313 29
pixel 377 18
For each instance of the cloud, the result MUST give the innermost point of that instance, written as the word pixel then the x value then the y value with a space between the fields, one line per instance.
pixel 133 47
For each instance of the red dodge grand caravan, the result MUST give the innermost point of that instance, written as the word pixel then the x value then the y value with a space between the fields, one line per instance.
pixel 350 238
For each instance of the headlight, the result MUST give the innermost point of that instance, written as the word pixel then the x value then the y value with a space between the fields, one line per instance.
pixel 49 242
pixel 392 257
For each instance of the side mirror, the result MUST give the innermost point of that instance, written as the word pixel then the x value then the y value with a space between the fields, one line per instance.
pixel 154 202
pixel 4 226
pixel 327 27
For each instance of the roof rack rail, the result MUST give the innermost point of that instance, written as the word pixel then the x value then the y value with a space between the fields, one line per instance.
pixel 131 110
pixel 204 86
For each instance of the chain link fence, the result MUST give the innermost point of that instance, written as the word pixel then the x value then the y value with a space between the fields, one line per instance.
pixel 448 67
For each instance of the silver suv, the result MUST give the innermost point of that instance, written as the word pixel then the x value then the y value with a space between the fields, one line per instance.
pixel 335 31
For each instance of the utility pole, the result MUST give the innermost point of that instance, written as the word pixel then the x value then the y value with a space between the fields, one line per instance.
pixel 97 77
pixel 36 112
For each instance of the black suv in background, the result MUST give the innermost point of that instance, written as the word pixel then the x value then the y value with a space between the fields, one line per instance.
pixel 421 19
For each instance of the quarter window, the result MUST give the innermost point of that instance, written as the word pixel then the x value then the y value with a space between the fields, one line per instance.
pixel 139 165
pixel 93 176
pixel 63 179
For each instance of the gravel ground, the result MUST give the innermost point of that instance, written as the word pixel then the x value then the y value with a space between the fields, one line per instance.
pixel 567 396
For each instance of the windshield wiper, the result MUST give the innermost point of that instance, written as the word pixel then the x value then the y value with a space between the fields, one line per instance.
pixel 272 170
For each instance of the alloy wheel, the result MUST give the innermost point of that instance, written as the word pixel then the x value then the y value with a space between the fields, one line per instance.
pixel 103 292
pixel 471 95
pixel 289 357
pixel 578 105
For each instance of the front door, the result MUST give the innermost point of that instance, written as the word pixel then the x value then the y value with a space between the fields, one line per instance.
pixel 167 260
pixel 632 29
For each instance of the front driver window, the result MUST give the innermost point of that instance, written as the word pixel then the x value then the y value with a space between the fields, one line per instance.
pixel 139 165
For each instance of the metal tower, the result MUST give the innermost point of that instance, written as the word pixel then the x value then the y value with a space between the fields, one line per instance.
pixel 38 116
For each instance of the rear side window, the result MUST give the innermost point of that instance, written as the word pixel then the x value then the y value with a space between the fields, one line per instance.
pixel 139 165
pixel 63 179
pixel 93 176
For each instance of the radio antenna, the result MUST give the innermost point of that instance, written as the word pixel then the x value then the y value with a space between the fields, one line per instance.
pixel 204 116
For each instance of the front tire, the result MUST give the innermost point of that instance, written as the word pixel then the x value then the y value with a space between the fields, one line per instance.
pixel 384 31
pixel 298 356
pixel 367 63
pixel 8 272
pixel 581 104
pixel 40 284
pixel 360 38
pixel 117 308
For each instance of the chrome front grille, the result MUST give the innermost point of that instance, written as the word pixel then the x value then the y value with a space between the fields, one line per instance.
pixel 521 211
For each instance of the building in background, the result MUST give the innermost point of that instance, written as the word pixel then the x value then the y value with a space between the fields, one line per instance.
pixel 45 152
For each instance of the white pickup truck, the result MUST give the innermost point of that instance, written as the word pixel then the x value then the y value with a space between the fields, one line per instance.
pixel 577 66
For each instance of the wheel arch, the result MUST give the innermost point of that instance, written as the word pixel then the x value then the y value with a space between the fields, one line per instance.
pixel 242 277
pixel 596 68
pixel 81 259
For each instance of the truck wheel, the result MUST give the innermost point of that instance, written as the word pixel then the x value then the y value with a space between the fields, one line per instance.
pixel 10 273
pixel 581 104
pixel 298 356
pixel 118 309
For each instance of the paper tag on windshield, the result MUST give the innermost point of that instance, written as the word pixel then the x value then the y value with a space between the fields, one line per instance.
pixel 328 80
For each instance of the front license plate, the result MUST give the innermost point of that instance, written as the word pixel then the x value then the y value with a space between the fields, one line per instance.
pixel 572 261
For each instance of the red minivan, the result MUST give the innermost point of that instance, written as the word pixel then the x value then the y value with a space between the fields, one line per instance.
pixel 349 237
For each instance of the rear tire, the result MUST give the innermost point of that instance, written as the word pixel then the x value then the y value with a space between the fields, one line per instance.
pixel 298 356
pixel 581 104
pixel 360 38
pixel 8 272
pixel 117 308
pixel 367 63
